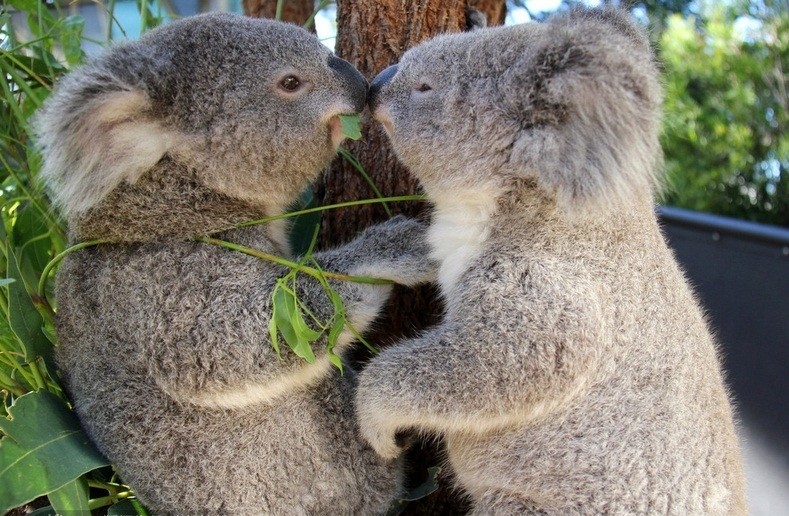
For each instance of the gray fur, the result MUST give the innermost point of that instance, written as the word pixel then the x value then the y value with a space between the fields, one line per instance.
pixel 164 343
pixel 574 372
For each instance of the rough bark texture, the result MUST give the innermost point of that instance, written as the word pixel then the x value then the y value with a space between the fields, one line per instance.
pixel 293 11
pixel 372 34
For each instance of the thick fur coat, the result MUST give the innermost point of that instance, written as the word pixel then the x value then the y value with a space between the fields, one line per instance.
pixel 164 347
pixel 574 372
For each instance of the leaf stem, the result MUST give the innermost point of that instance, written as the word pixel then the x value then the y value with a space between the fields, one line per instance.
pixel 315 273
pixel 39 378
pixel 11 385
pixel 107 500
pixel 42 282
pixel 346 204
pixel 322 5
pixel 355 163
pixel 278 12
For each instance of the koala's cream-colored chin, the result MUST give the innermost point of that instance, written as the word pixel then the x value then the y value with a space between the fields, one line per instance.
pixel 336 134
pixel 382 115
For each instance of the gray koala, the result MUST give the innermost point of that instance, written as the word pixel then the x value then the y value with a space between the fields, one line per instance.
pixel 164 348
pixel 574 372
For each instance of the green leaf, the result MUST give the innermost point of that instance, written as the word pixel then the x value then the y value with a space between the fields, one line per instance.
pixel 25 321
pixel 303 226
pixel 291 324
pixel 272 332
pixel 301 327
pixel 337 326
pixel 351 127
pixel 29 6
pixel 72 498
pixel 128 507
pixel 31 237
pixel 71 39
pixel 6 281
pixel 428 487
pixel 43 450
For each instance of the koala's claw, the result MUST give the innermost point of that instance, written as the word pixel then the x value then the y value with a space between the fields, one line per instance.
pixel 383 443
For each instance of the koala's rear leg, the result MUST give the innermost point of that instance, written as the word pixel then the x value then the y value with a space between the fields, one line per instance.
pixel 497 503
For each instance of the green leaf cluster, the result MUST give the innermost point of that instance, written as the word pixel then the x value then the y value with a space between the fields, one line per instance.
pixel 288 315
pixel 727 110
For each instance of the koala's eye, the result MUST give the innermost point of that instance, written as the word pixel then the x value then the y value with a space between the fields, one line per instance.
pixel 290 83
pixel 423 87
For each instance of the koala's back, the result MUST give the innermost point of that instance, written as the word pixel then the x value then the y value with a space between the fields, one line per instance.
pixel 120 307
pixel 649 429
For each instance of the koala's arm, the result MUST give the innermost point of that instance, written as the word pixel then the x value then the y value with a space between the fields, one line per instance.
pixel 396 250
pixel 518 355
pixel 206 310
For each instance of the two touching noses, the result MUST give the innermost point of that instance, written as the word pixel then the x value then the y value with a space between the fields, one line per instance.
pixel 357 84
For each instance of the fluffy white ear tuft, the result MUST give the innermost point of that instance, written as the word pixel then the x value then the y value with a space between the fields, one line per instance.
pixel 589 104
pixel 91 149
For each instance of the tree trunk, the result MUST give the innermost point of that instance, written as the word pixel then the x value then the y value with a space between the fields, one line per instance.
pixel 293 11
pixel 372 34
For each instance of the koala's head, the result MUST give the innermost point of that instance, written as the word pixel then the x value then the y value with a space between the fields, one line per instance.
pixel 571 104
pixel 251 105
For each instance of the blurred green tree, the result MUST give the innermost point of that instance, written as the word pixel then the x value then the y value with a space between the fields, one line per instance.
pixel 727 110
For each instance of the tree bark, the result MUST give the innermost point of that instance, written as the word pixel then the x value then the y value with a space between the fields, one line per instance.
pixel 293 11
pixel 373 34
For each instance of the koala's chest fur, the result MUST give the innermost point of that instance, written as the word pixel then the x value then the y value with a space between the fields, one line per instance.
pixel 458 232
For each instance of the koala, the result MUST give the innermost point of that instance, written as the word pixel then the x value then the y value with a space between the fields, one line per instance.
pixel 164 345
pixel 573 372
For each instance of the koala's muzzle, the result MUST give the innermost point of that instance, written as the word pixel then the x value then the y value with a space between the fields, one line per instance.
pixel 381 80
pixel 353 81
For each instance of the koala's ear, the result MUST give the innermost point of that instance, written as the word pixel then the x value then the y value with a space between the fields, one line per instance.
pixel 475 19
pixel 93 138
pixel 587 96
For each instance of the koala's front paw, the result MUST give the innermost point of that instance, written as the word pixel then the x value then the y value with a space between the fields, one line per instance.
pixel 382 441
pixel 398 235
pixel 398 250
pixel 375 426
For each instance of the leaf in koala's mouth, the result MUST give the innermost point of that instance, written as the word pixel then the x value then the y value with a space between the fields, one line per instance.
pixel 350 126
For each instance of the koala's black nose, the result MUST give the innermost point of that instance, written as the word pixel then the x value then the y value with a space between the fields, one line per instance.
pixel 352 80
pixel 379 82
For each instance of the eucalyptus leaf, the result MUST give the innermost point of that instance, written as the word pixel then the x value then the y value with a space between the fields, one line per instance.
pixel 128 507
pixel 428 487
pixel 273 335
pixel 24 5
pixel 71 38
pixel 31 237
pixel 72 498
pixel 334 334
pixel 304 225
pixel 44 449
pixel 351 127
pixel 23 317
pixel 287 318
